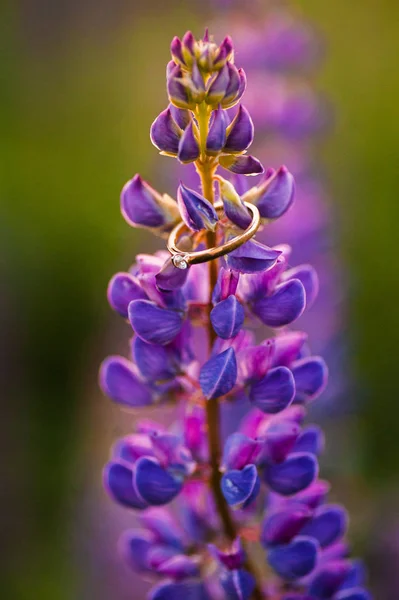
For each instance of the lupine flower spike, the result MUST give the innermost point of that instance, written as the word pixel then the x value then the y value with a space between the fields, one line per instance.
pixel 255 492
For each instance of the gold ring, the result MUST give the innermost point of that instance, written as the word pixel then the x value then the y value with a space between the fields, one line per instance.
pixel 182 260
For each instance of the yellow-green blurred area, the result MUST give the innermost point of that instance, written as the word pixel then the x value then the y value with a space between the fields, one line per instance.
pixel 81 82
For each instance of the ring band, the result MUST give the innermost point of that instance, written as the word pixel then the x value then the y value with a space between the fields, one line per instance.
pixel 182 260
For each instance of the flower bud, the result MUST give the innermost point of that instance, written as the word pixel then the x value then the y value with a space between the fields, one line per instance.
pixel 242 164
pixel 218 87
pixel 275 195
pixel 142 206
pixel 188 146
pixel 177 51
pixel 224 53
pixel 177 92
pixel 197 212
pixel 240 488
pixel 216 138
pixel 240 133
pixel 234 208
pixel 165 133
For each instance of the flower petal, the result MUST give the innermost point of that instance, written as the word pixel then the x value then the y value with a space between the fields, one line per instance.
pixel 227 318
pixel 135 546
pixel 329 578
pixel 155 485
pixel 295 560
pixel 119 381
pixel 170 278
pixel 240 451
pixel 153 324
pixel 180 567
pixel 310 440
pixel 217 132
pixel 275 195
pixel 353 594
pixel 293 475
pixel 284 306
pixel 218 375
pixel 240 487
pixel 274 392
pixel 238 585
pixel 197 212
pixel 328 524
pixel 233 558
pixel 183 590
pixel 118 481
pixel 234 208
pixel 240 132
pixel 154 362
pixel 310 376
pixel 252 257
pixel 280 527
pixel 163 527
pixel 165 134
pixel 122 289
pixel 143 206
pixel 241 164
pixel 307 275
pixel 280 438
pixel 188 146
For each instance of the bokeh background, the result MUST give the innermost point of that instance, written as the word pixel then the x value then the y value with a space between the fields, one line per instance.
pixel 82 81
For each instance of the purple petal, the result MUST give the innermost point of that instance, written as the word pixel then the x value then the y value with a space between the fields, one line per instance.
pixel 170 278
pixel 135 545
pixel 356 576
pixel 218 87
pixel 233 89
pixel 252 257
pixel 218 375
pixel 293 475
pixel 233 558
pixel 176 50
pixel 241 132
pixel 240 451
pixel 122 289
pixel 234 208
pixel 287 347
pixel 118 481
pixel 197 212
pixel 154 362
pixel 142 206
pixel 238 585
pixel 155 485
pixel 225 49
pixel 254 362
pixel 329 578
pixel 310 440
pixel 353 594
pixel 282 526
pixel 284 306
pixel 242 164
pixel 274 392
pixel 171 453
pixel 183 590
pixel 226 284
pixel 153 324
pixel 165 134
pixel 163 527
pixel 181 116
pixel 132 447
pixel 180 567
pixel 308 277
pixel 119 381
pixel 310 376
pixel 227 318
pixel 294 560
pixel 217 132
pixel 274 196
pixel 176 91
pixel 328 524
pixel 314 494
pixel 280 438
pixel 188 147
pixel 240 487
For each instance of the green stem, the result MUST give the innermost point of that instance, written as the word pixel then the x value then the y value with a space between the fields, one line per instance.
pixel 206 169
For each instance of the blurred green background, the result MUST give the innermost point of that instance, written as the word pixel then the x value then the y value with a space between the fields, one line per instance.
pixel 81 83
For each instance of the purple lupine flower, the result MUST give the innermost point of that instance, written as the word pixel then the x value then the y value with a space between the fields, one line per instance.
pixel 194 349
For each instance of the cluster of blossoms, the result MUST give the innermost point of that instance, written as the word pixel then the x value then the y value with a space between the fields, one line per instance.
pixel 198 346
